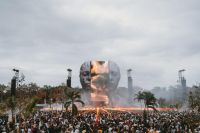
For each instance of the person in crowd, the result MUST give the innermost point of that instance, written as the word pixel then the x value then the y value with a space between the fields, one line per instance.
pixel 113 122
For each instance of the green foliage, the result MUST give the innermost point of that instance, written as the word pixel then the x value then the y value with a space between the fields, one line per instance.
pixel 72 98
pixel 2 87
pixel 11 103
pixel 148 98
pixel 2 108
pixel 194 99
pixel 29 108
pixel 2 92
pixel 178 105
pixel 33 88
pixel 140 96
pixel 162 102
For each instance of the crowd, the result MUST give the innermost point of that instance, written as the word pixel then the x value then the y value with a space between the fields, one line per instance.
pixel 107 122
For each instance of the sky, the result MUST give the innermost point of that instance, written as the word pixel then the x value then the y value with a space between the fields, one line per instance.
pixel 155 38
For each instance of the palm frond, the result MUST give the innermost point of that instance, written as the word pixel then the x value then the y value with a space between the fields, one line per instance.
pixel 80 101
pixel 67 103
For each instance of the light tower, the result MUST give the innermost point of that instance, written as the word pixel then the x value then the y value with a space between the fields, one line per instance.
pixel 14 82
pixel 69 77
pixel 130 83
pixel 182 82
pixel 182 79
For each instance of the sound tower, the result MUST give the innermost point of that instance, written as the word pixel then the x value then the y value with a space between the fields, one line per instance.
pixel 69 82
pixel 13 87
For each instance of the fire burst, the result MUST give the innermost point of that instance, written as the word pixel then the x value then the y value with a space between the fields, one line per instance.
pixel 97 116
pixel 126 109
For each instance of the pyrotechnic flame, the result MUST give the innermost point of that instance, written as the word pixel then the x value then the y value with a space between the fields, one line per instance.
pixel 97 115
pixel 126 109
pixel 99 97
pixel 106 111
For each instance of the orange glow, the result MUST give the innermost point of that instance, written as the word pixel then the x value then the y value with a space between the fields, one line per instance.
pixel 99 98
pixel 125 109
pixel 97 115
pixel 99 68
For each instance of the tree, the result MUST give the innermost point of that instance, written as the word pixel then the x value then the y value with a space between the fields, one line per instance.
pixel 32 88
pixel 162 102
pixel 29 108
pixel 191 100
pixel 2 90
pixel 178 105
pixel 11 104
pixel 2 87
pixel 48 93
pixel 194 98
pixel 148 98
pixel 72 98
pixel 2 108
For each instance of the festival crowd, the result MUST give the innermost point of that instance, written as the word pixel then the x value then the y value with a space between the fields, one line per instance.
pixel 107 122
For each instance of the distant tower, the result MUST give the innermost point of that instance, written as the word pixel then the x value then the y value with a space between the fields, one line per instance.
pixel 14 82
pixel 130 83
pixel 69 77
pixel 182 82
pixel 13 87
pixel 16 77
pixel 182 79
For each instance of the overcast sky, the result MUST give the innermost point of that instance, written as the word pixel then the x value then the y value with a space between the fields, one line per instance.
pixel 155 38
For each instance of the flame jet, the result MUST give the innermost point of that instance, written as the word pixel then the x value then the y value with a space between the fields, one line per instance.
pixel 100 79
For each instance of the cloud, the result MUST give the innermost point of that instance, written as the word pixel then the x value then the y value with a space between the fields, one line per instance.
pixel 155 39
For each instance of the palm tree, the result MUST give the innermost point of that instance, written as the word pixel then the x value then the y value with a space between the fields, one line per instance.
pixel 48 94
pixel 162 102
pixel 194 98
pixel 30 106
pixel 2 90
pixel 32 88
pixel 72 98
pixel 140 96
pixel 148 98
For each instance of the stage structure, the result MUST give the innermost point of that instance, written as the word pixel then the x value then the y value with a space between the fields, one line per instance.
pixel 99 79
pixel 69 78
pixel 130 85
pixel 183 84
